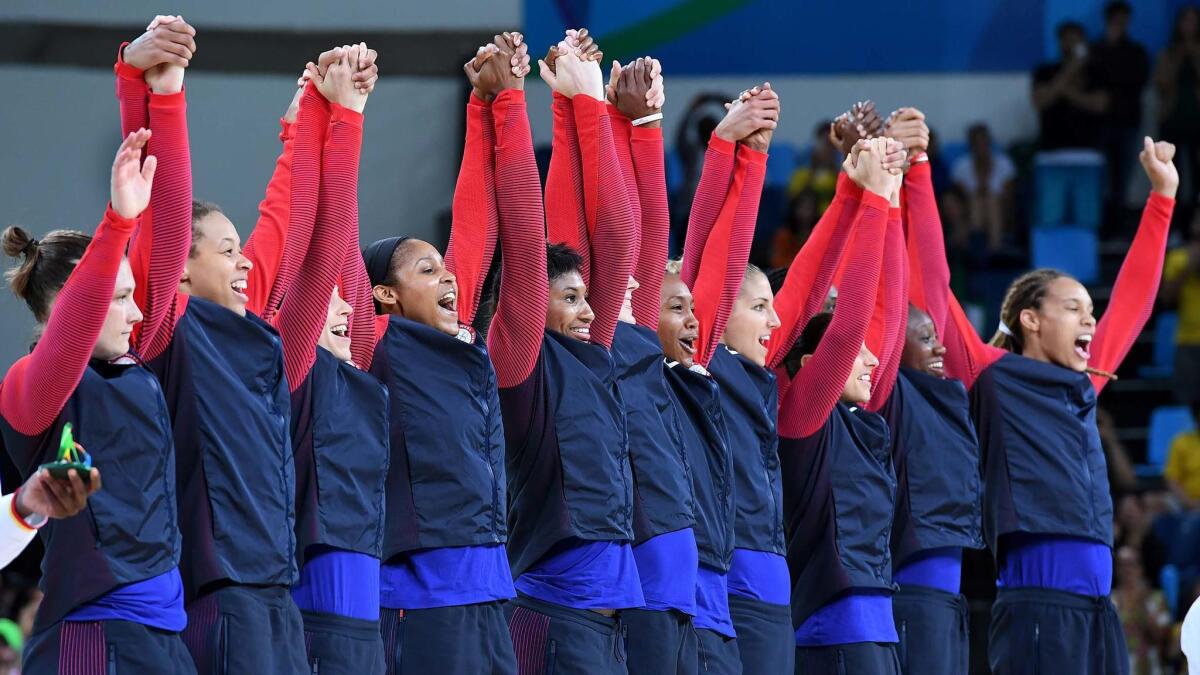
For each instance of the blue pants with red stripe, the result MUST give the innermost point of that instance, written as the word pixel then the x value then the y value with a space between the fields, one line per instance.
pixel 246 629
pixel 105 648
pixel 550 638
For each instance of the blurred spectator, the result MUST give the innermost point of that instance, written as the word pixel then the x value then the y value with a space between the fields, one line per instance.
pixel 1122 478
pixel 1069 102
pixel 1144 522
pixel 1122 67
pixel 986 176
pixel 1177 82
pixel 1181 292
pixel 801 217
pixel 939 172
pixel 698 124
pixel 819 174
pixel 1143 611
pixel 1182 471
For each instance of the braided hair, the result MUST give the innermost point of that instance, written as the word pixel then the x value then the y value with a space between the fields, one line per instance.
pixel 1027 292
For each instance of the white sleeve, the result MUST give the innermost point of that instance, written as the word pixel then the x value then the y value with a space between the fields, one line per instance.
pixel 15 534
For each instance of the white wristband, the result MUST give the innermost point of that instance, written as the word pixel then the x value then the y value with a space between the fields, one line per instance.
pixel 653 117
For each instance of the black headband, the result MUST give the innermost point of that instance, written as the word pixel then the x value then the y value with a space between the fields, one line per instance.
pixel 378 258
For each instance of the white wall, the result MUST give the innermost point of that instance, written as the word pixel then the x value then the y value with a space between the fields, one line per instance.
pixel 60 132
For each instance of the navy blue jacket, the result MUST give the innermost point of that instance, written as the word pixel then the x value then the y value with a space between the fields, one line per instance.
pixel 223 380
pixel 697 398
pixel 340 436
pixel 130 529
pixel 567 452
pixel 750 404
pixel 936 458
pixel 445 484
pixel 1044 467
pixel 839 492
pixel 663 500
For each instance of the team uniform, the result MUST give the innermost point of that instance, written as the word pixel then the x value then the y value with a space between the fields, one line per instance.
pixel 446 577
pixel 338 413
pixel 1053 556
pixel 569 481
pixel 661 636
pixel 936 457
pixel 222 376
pixel 839 487
pixel 113 595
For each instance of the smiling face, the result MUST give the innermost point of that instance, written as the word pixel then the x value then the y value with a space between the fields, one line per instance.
pixel 123 313
pixel 1061 328
pixel 420 288
pixel 923 350
pixel 216 270
pixel 678 328
pixel 336 336
pixel 568 312
pixel 753 319
pixel 858 385
pixel 627 305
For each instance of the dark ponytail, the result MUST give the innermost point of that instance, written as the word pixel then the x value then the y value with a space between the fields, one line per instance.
pixel 44 267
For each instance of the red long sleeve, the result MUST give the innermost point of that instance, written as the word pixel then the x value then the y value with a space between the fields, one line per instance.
pixel 302 315
pixel 515 338
pixel 1133 294
pixel 356 290
pixel 265 245
pixel 312 126
pixel 812 271
pixel 161 244
pixel 819 384
pixel 711 193
pixel 566 222
pixel 649 164
pixel 133 94
pixel 622 131
pixel 717 279
pixel 929 285
pixel 37 387
pixel 967 355
pixel 610 221
pixel 890 321
pixel 475 219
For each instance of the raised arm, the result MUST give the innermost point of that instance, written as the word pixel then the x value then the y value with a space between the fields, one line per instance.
pixel 820 382
pixel 159 249
pixel 891 308
pixel 302 315
pixel 650 177
pixel 266 243
pixel 515 336
pixel 566 222
pixel 606 202
pixel 1137 283
pixel 722 266
pixel 37 387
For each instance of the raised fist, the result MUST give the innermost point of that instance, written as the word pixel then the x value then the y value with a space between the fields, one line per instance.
pixel 636 90
pixel 1156 159
pixel 908 126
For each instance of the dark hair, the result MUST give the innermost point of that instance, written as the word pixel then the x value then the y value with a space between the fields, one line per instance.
pixel 1068 26
pixel 200 209
pixel 978 128
pixel 813 331
pixel 1117 7
pixel 1177 26
pixel 1027 292
pixel 44 267
pixel 776 277
pixel 561 259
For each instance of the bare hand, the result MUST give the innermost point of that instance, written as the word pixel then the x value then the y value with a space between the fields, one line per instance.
pixel 55 498
pixel 337 85
pixel 908 126
pixel 1156 160
pixel 752 118
pixel 131 177
pixel 511 62
pixel 572 74
pixel 864 164
pixel 630 90
pixel 861 121
pixel 168 39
